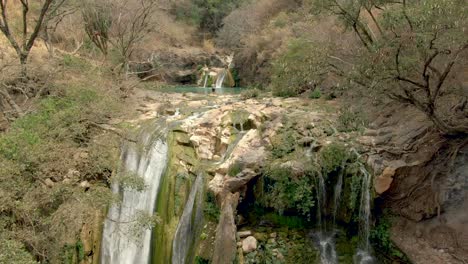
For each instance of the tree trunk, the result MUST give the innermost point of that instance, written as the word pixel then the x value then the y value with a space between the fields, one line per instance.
pixel 11 102
pixel 23 57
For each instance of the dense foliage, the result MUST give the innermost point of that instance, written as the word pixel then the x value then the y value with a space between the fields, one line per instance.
pixel 208 15
pixel 302 67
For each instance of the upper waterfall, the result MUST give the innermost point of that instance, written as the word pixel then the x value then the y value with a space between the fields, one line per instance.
pixel 118 244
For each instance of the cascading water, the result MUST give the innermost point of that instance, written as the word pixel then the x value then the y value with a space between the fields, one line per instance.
pixel 189 225
pixel 324 238
pixel 206 80
pixel 124 241
pixel 363 255
pixel 337 193
pixel 220 80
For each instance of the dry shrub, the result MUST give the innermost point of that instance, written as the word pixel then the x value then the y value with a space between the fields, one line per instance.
pixel 248 19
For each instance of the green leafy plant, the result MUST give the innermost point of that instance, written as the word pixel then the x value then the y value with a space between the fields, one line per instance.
pixel 350 120
pixel 283 192
pixel 211 209
pixel 299 69
pixel 316 94
pixel 283 144
pixel 333 157
pixel 380 238
pixel 235 168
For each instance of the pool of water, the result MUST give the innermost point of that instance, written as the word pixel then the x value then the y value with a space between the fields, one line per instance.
pixel 200 90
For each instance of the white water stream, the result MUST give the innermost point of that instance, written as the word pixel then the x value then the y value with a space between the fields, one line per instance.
pixel 189 225
pixel 125 241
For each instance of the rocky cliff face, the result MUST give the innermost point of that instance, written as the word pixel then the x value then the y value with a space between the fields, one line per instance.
pixel 422 178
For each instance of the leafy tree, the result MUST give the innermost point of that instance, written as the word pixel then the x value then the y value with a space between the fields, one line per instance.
pixel 207 14
pixel 414 59
pixel 302 67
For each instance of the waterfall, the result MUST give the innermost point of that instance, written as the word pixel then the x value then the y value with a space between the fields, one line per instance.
pixel 337 193
pixel 324 238
pixel 364 210
pixel 189 226
pixel 124 239
pixel 206 80
pixel 321 200
pixel 220 79
pixel 363 255
pixel 327 250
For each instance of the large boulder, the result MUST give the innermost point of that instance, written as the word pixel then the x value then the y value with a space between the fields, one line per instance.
pixel 249 244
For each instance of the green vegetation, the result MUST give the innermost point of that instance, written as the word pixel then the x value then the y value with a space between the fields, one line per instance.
pixel 45 156
pixel 211 209
pixel 283 144
pixel 250 93
pixel 333 158
pixel 235 168
pixel 286 193
pixel 380 238
pixel 14 252
pixel 208 15
pixel 302 67
pixel 200 260
pixel 316 94
pixel 350 120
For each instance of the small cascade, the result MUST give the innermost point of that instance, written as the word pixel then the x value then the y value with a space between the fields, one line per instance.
pixel 189 226
pixel 337 193
pixel 324 238
pixel 310 150
pixel 327 250
pixel 220 79
pixel 321 201
pixel 363 254
pixel 206 80
pixel 124 239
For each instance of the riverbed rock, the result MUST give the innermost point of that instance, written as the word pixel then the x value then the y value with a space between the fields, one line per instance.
pixel 244 234
pixel 49 183
pixel 249 244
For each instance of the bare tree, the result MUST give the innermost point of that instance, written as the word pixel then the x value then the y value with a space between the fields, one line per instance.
pixel 25 41
pixel 97 16
pixel 131 24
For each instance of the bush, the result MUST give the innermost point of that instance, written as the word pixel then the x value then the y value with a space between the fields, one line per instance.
pixel 211 209
pixel 302 67
pixel 350 120
pixel 333 157
pixel 51 144
pixel 208 15
pixel 283 192
pixel 316 94
pixel 250 93
pixel 380 238
pixel 235 168
pixel 283 144
pixel 14 252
